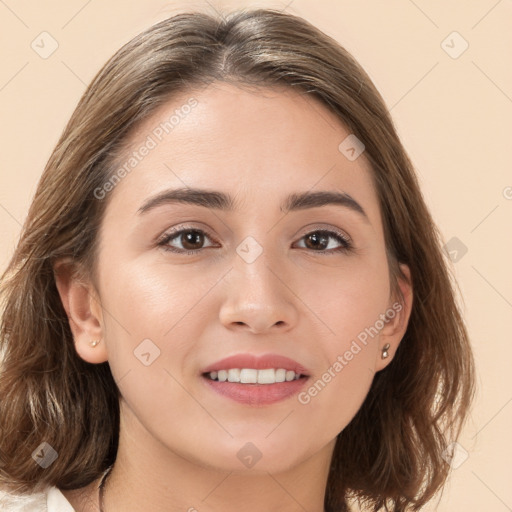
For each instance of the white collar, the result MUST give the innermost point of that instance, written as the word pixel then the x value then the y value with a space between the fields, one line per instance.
pixel 57 502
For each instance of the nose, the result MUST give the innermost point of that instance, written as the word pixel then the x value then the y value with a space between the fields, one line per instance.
pixel 258 298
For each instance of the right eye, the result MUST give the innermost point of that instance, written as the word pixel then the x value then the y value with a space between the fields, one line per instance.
pixel 190 239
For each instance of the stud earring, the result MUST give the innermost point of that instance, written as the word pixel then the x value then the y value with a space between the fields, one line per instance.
pixel 385 351
pixel 94 342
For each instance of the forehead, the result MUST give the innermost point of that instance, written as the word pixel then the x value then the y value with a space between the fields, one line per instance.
pixel 258 145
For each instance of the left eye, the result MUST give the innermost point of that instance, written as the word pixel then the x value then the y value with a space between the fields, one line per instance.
pixel 319 240
pixel 192 240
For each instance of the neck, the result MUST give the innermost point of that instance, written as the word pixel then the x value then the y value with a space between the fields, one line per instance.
pixel 148 476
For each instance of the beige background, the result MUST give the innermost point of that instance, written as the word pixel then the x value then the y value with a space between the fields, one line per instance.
pixel 453 115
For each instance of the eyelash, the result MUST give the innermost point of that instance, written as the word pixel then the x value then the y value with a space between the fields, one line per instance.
pixel 346 244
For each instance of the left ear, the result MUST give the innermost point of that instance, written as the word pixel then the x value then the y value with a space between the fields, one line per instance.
pixel 398 314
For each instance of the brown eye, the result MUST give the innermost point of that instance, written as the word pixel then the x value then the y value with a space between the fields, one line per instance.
pixel 319 241
pixel 189 241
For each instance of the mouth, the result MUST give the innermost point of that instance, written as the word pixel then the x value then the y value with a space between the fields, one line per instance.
pixel 256 380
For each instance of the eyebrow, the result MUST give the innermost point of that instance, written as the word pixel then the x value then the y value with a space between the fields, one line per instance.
pixel 220 201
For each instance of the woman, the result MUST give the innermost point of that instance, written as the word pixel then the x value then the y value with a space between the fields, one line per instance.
pixel 229 292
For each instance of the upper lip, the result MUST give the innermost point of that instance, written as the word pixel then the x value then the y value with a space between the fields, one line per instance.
pixel 257 362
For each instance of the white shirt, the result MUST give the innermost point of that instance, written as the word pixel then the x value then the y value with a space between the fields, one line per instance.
pixel 51 500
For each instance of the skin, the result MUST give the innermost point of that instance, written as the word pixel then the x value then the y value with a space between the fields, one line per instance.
pixel 178 439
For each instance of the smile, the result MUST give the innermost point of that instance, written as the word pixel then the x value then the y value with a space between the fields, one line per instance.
pixel 253 376
pixel 255 379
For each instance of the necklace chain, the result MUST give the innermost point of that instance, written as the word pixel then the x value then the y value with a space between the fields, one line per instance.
pixel 101 488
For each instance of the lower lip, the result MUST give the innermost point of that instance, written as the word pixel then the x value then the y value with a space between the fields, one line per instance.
pixel 257 394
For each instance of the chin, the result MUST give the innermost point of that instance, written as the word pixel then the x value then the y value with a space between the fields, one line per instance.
pixel 260 456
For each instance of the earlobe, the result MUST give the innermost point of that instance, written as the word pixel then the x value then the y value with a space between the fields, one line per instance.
pixel 83 311
pixel 398 315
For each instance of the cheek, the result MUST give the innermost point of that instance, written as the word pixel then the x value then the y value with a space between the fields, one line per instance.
pixel 155 308
pixel 347 306
pixel 153 298
pixel 152 316
pixel 333 397
pixel 345 301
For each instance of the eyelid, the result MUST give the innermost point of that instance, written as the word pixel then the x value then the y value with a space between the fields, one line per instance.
pixel 322 227
pixel 183 227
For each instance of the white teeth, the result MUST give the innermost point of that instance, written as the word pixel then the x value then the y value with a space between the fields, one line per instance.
pixel 248 376
pixel 252 376
pixel 234 375
pixel 267 376
pixel 280 375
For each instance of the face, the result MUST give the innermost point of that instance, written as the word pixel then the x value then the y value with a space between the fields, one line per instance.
pixel 255 270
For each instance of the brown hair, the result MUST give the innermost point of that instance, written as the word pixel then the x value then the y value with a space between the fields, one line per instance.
pixel 416 406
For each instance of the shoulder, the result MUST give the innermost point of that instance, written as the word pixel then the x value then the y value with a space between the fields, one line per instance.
pixel 51 500
pixel 10 502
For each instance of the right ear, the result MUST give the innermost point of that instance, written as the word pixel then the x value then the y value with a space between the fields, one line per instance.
pixel 83 308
